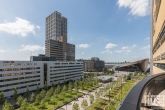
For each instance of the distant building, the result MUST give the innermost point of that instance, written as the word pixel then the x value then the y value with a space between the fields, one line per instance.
pixel 42 58
pixel 93 65
pixel 140 65
pixel 56 38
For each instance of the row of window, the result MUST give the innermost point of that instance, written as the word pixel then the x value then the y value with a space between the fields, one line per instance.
pixel 25 82
pixel 66 66
pixel 11 89
pixel 18 64
pixel 65 72
pixel 159 40
pixel 66 79
pixel 160 65
pixel 59 70
pixel 19 78
pixel 160 57
pixel 18 69
pixel 16 74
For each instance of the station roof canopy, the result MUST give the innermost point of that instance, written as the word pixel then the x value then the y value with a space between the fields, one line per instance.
pixel 143 64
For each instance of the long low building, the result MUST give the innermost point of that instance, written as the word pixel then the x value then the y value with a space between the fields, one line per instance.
pixel 20 74
pixel 140 65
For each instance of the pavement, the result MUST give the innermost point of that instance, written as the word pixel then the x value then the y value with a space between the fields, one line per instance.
pixel 69 106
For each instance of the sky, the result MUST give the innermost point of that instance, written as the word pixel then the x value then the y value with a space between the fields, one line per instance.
pixel 113 30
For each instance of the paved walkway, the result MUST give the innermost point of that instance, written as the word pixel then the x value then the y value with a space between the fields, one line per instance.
pixel 69 106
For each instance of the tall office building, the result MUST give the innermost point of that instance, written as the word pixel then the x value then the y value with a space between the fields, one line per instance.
pixel 158 36
pixel 56 26
pixel 56 38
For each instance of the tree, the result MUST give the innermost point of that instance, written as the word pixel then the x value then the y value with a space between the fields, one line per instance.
pixel 38 99
pixel 7 106
pixel 84 104
pixel 91 98
pixel 96 74
pixel 50 92
pixel 45 86
pixel 112 72
pixel 64 89
pixel 27 92
pixel 37 89
pixel 70 86
pixel 2 99
pixel 76 85
pixel 24 105
pixel 58 89
pixel 19 100
pixel 75 106
pixel 43 93
pixel 81 85
pixel 53 84
pixel 105 70
pixel 32 98
pixel 42 105
pixel 15 94
pixel 97 95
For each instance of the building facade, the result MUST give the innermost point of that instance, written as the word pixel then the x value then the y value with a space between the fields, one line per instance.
pixel 140 66
pixel 56 26
pixel 22 74
pixel 56 38
pixel 60 49
pixel 93 65
pixel 158 36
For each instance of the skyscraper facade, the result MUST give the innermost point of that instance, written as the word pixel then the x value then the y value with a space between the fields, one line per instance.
pixel 56 38
pixel 56 26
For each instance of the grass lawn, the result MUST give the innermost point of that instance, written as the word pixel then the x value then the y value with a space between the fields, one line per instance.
pixel 98 105
pixel 60 99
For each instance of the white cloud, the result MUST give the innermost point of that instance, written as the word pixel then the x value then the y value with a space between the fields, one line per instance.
pixel 38 27
pixel 83 45
pixel 2 51
pixel 146 47
pixel 18 27
pixel 82 53
pixel 134 46
pixel 148 38
pixel 126 47
pixel 110 45
pixel 105 51
pixel 110 52
pixel 31 48
pixel 128 51
pixel 138 7
pixel 118 51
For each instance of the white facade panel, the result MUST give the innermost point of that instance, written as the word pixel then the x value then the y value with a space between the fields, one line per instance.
pixel 22 74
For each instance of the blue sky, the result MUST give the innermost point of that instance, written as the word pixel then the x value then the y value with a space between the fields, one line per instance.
pixel 113 30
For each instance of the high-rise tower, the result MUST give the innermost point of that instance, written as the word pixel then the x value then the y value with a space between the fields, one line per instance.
pixel 56 26
pixel 56 38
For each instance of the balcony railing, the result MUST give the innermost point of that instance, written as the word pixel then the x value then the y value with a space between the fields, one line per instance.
pixel 134 100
